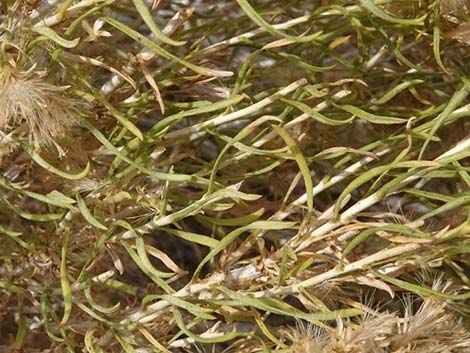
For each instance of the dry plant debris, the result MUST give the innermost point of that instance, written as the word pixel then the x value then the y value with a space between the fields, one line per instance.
pixel 235 176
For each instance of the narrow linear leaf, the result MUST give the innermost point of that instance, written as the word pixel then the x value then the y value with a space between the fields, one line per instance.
pixel 436 41
pixel 241 135
pixel 164 176
pixel 419 289
pixel 192 237
pixel 181 324
pixel 315 114
pixel 229 238
pixel 10 287
pixel 301 161
pixel 395 90
pixel 144 12
pixel 377 11
pixel 373 118
pixel 454 102
pixel 52 35
pixel 88 340
pixel 234 221
pixel 256 18
pixel 64 281
pixel 43 217
pixel 46 165
pixel 98 307
pixel 200 312
pixel 87 214
pixel 114 112
pixel 204 109
pixel 162 52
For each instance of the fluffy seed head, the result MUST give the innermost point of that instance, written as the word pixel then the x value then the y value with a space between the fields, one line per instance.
pixel 27 98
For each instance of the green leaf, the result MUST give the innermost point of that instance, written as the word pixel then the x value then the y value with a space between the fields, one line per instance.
pixel 315 114
pixel 45 309
pixel 373 118
pixel 128 348
pixel 449 205
pixel 46 165
pixel 454 102
pixel 54 198
pixel 8 232
pixel 436 40
pixel 44 217
pixel 142 261
pixel 229 238
pixel 87 214
pixel 52 35
pixel 256 18
pixel 369 5
pixel 419 289
pixel 96 316
pixel 280 307
pixel 372 173
pixel 301 161
pixel 395 90
pixel 64 280
pixel 204 109
pixel 98 307
pixel 365 234
pixel 10 287
pixel 114 112
pixel 158 175
pixel 120 286
pixel 233 141
pixel 199 312
pixel 192 237
pixel 15 236
pixel 144 12
pixel 88 340
pixel 22 327
pixel 234 221
pixel 162 52
pixel 181 324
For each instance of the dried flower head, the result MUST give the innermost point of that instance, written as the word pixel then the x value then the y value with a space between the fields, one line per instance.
pixel 307 338
pixel 431 326
pixel 25 97
pixel 367 334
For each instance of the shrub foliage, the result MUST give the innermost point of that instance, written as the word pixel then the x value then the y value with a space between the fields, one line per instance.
pixel 234 176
